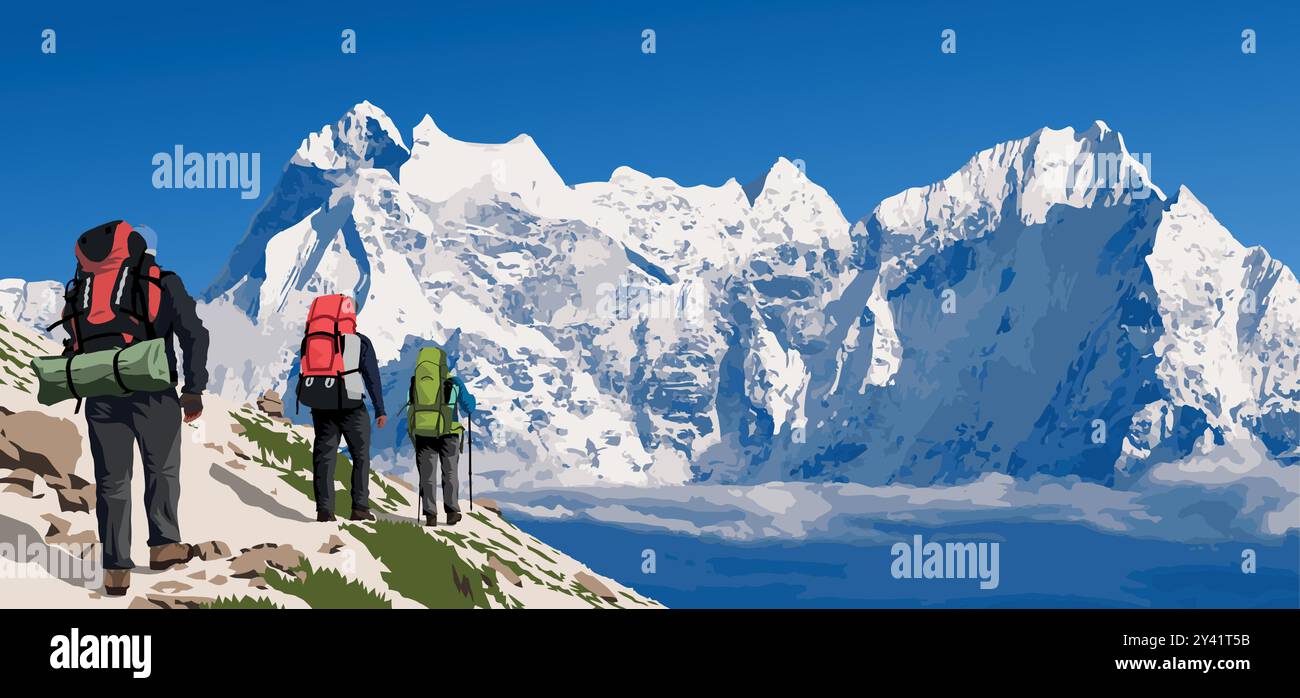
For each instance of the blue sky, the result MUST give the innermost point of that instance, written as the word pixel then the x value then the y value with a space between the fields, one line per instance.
pixel 860 92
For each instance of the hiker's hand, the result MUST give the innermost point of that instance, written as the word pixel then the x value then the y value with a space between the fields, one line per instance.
pixel 381 421
pixel 192 406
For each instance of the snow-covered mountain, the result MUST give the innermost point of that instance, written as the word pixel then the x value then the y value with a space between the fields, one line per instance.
pixel 37 304
pixel 1045 309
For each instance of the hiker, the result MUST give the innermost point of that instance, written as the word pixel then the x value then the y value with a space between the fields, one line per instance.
pixel 120 298
pixel 338 365
pixel 436 395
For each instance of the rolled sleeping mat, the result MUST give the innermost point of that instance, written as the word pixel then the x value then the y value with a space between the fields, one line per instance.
pixel 140 367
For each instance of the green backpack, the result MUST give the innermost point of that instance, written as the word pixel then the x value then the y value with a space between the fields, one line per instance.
pixel 431 405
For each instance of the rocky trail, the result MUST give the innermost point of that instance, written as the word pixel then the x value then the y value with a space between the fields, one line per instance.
pixel 246 501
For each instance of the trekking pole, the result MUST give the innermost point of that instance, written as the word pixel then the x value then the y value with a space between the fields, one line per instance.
pixel 469 420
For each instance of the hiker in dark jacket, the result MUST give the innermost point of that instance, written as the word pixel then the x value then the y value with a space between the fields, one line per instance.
pixel 117 424
pixel 353 425
pixel 446 449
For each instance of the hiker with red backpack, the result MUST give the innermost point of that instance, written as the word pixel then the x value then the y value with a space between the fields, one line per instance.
pixel 121 312
pixel 338 364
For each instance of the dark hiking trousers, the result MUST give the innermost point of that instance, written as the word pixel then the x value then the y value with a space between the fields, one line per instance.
pixel 354 426
pixel 117 425
pixel 447 450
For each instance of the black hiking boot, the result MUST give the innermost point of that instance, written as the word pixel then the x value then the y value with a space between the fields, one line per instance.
pixel 430 519
pixel 323 516
pixel 453 518
pixel 362 515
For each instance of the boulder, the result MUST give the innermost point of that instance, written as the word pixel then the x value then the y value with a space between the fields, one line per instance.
pixel 58 525
pixel 140 603
pixel 19 476
pixel 171 586
pixel 48 446
pixel 333 545
pixel 213 550
pixel 177 602
pixel 252 563
pixel 489 504
pixel 75 494
pixel 503 571
pixel 20 490
pixel 595 586
pixel 271 404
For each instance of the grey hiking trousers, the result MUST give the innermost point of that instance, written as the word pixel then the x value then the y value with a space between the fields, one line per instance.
pixel 117 425
pixel 447 450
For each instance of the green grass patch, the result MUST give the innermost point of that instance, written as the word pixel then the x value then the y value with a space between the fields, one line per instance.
pixel 632 598
pixel 542 555
pixel 518 569
pixel 422 568
pixel 241 602
pixel 326 588
pixel 487 522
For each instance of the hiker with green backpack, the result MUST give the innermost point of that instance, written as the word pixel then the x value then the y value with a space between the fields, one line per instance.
pixel 436 396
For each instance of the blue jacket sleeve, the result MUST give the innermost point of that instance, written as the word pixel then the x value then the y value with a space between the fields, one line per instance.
pixel 370 374
pixel 466 402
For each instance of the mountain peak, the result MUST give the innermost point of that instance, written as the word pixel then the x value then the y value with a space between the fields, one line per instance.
pixel 363 137
pixel 441 165
pixel 781 174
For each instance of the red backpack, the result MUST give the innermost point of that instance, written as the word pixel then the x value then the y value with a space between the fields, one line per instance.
pixel 113 299
pixel 330 356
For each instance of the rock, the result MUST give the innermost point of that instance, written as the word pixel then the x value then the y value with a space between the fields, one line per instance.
pixel 333 545
pixel 219 580
pixel 503 571
pixel 253 563
pixel 489 504
pixel 213 550
pixel 85 539
pixel 75 494
pixel 237 429
pixel 177 602
pixel 22 490
pixel 140 603
pixel 19 476
pixel 171 587
pixel 48 446
pixel 200 575
pixel 9 453
pixel 595 586
pixel 58 526
pixel 235 465
pixel 235 449
pixel 271 404
pixel 216 447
